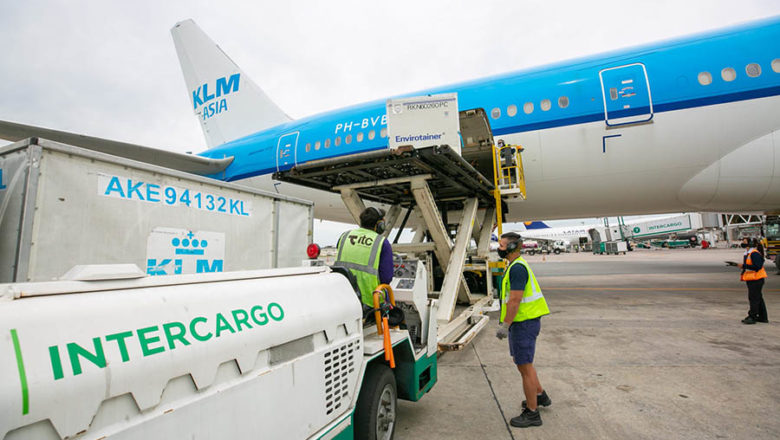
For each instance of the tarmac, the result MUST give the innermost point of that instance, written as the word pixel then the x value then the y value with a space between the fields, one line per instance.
pixel 646 345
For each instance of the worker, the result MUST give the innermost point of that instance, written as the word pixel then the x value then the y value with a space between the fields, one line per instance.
pixel 367 254
pixel 753 274
pixel 507 154
pixel 522 307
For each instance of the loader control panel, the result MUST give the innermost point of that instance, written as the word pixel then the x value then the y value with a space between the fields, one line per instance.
pixel 405 271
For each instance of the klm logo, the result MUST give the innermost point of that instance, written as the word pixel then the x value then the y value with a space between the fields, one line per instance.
pixel 163 266
pixel 212 99
pixel 186 250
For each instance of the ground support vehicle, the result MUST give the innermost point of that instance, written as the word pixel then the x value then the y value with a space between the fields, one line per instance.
pixel 615 247
pixel 278 353
pixel 671 244
pixel 449 201
pixel 772 228
pixel 114 351
pixel 545 246
pixel 434 184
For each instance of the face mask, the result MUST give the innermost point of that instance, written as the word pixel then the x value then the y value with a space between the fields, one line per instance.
pixel 380 227
pixel 744 245
pixel 502 253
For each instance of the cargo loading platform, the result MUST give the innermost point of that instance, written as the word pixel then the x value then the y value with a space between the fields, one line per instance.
pixel 451 203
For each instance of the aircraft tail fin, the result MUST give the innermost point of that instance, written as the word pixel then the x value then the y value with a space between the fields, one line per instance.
pixel 535 225
pixel 228 104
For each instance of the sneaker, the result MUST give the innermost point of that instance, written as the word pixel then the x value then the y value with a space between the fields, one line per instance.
pixel 527 418
pixel 749 320
pixel 541 400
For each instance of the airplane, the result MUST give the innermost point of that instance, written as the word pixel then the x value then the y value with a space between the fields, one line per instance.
pixel 689 124
pixel 681 226
pixel 537 230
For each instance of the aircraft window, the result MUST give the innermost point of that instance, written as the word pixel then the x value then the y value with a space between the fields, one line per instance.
pixel 383 133
pixel 613 93
pixel 359 137
pixel 511 111
pixel 337 142
pixel 528 108
pixel 753 70
pixel 308 147
pixel 705 78
pixel 728 74
pixel 545 105
pixel 317 145
pixel 495 113
pixel 327 143
pixel 348 139
pixel 563 101
pixel 776 65
pixel 371 135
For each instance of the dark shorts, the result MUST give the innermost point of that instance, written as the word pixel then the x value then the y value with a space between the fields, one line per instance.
pixel 522 340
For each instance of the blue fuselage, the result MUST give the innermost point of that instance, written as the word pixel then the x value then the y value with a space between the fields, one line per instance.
pixel 736 64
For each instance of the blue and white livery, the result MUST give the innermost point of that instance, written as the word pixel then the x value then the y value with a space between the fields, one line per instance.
pixel 683 125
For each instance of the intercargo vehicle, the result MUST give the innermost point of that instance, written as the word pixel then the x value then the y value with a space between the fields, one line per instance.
pixel 109 352
pixel 135 310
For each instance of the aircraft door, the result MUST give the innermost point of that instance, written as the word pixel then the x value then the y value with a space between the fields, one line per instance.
pixel 626 94
pixel 286 151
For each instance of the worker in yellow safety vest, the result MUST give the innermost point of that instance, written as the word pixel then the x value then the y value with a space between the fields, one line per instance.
pixel 522 307
pixel 753 273
pixel 367 254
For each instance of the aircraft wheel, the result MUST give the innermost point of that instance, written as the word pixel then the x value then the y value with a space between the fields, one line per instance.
pixel 376 406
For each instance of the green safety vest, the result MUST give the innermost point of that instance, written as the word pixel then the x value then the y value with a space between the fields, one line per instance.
pixel 359 252
pixel 533 304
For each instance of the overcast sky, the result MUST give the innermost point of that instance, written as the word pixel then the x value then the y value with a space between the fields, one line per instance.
pixel 109 68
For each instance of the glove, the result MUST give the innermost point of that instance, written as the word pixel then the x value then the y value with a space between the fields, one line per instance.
pixel 503 331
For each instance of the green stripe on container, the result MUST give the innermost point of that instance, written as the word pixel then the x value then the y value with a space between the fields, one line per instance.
pixel 22 375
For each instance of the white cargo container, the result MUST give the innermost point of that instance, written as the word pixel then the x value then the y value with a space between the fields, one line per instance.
pixel 62 206
pixel 424 121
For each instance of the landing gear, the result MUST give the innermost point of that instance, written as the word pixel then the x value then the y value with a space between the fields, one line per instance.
pixel 376 407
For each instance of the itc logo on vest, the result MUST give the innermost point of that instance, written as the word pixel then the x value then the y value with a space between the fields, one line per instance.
pixel 366 241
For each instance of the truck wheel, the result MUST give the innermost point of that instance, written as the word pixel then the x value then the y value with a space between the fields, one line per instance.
pixel 376 406
pixel 557 251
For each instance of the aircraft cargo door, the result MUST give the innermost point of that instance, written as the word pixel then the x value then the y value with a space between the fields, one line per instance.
pixel 626 93
pixel 286 151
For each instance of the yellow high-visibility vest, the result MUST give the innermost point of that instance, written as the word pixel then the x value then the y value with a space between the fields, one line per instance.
pixel 359 251
pixel 533 304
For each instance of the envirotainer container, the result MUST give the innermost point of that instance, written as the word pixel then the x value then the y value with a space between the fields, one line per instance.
pixel 62 206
